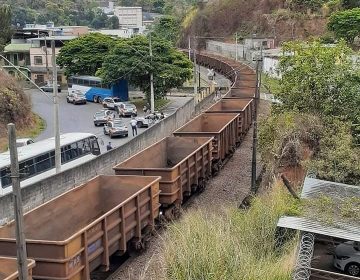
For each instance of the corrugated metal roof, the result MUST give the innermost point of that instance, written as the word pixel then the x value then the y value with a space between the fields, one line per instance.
pixel 344 232
pixel 314 187
pixel 17 48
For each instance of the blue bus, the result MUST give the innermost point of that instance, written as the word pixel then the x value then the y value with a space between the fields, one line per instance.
pixel 95 90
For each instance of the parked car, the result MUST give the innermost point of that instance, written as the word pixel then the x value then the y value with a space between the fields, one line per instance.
pixel 24 142
pixel 347 257
pixel 127 110
pixel 116 127
pixel 112 102
pixel 76 97
pixel 102 117
pixel 49 88
pixel 149 119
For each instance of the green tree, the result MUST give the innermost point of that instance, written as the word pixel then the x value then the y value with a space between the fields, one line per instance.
pixel 113 22
pixel 320 80
pixel 346 24
pixel 168 28
pixel 100 19
pixel 85 55
pixel 5 25
pixel 130 59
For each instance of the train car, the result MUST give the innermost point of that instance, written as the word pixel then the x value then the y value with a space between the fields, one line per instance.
pixel 9 268
pixel 221 126
pixel 184 164
pixel 243 107
pixel 77 232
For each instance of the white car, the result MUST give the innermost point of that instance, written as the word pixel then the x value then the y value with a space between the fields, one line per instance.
pixel 127 110
pixel 24 142
pixel 150 119
pixel 76 97
pixel 347 257
pixel 112 102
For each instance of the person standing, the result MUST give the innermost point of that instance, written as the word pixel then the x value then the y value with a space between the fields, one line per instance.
pixel 109 147
pixel 133 124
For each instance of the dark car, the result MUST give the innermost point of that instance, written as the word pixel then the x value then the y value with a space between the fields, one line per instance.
pixel 49 88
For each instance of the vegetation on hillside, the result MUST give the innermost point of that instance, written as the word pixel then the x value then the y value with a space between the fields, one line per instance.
pixel 15 106
pixel 318 115
pixel 346 24
pixel 242 244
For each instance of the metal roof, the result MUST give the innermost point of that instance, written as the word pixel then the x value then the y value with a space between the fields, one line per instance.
pixel 344 232
pixel 20 47
pixel 313 188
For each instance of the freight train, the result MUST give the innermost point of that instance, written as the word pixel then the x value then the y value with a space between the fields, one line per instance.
pixel 77 232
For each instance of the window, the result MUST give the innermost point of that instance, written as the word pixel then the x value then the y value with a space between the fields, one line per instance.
pixel 27 169
pixel 5 177
pixel 38 60
pixel 43 163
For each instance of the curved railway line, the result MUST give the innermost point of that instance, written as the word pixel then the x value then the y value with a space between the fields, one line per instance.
pixel 121 213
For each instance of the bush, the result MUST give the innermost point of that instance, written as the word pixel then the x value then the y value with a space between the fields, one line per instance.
pixel 15 106
pixel 240 245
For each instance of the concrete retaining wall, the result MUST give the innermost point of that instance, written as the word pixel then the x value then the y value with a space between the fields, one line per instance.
pixel 49 188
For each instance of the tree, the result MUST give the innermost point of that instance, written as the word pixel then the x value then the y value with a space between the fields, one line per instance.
pixel 346 24
pixel 130 60
pixel 320 80
pixel 168 28
pixel 5 25
pixel 85 55
pixel 349 4
pixel 100 19
pixel 113 22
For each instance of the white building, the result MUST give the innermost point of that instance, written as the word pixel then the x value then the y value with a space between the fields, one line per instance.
pixel 129 17
pixel 121 33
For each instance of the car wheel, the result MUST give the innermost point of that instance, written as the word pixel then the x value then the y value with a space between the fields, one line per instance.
pixel 99 99
pixel 353 269
pixel 67 100
pixel 74 102
pixel 139 124
pixel 96 124
pixel 95 99
pixel 126 135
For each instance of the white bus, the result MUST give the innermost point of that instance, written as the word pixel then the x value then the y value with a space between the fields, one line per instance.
pixel 37 161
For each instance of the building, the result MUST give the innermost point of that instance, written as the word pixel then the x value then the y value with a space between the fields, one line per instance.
pixel 129 17
pixel 107 7
pixel 256 43
pixel 121 33
pixel 328 220
pixel 40 58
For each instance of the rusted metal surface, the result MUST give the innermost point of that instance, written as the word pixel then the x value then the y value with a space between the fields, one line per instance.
pixel 182 163
pixel 75 233
pixel 243 107
pixel 9 269
pixel 221 126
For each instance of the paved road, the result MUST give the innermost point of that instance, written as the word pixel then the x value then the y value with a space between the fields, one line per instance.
pixel 79 118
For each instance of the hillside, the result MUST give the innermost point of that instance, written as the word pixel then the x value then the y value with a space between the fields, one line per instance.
pixel 283 19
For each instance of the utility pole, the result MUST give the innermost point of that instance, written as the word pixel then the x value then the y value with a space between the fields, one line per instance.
pixel 236 46
pixel 46 60
pixel 152 96
pixel 56 111
pixel 254 151
pixel 18 209
pixel 195 76
pixel 189 48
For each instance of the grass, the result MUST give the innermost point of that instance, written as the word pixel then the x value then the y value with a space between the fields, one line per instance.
pixel 239 245
pixel 28 132
pixel 159 103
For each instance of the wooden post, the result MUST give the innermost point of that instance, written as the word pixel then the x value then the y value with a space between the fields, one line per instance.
pixel 18 208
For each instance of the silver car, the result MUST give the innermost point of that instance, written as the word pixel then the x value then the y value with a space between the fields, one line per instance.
pixel 127 110
pixel 102 117
pixel 116 128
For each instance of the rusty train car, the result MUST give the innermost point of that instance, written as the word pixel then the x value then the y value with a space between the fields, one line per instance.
pixel 68 238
